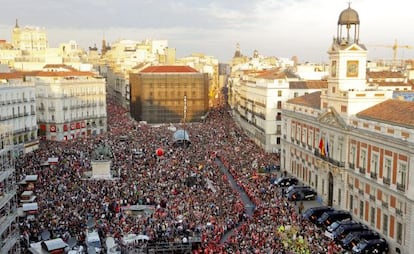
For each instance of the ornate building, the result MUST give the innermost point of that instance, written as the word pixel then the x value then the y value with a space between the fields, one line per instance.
pixel 353 143
pixel 169 94
pixel 70 103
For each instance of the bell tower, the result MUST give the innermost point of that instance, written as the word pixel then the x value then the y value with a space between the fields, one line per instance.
pixel 347 60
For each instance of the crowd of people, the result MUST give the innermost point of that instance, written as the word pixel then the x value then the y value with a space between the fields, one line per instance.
pixel 189 196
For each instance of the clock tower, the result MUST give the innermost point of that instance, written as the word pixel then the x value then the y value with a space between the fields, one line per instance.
pixel 347 61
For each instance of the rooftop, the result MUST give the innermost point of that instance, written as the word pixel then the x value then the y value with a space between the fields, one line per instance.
pixel 397 112
pixel 312 100
pixel 168 69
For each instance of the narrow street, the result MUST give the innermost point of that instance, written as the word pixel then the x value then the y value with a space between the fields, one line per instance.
pixel 248 204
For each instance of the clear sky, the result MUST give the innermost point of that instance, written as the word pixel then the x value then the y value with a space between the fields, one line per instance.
pixel 281 28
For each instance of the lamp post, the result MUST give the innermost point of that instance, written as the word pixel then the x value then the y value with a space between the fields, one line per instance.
pixel 184 115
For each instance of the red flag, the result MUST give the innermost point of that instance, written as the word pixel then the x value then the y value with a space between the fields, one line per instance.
pixel 321 147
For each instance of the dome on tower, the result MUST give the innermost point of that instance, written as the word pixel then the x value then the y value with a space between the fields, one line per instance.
pixel 348 17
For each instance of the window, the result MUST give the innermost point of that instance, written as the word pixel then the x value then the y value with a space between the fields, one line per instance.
pixel 361 209
pixel 298 132
pixel 351 202
pixel 363 161
pixel 402 174
pixel 372 216
pixel 279 93
pixel 278 140
pixel 293 130
pixel 385 224
pixel 295 94
pixel 353 155
pixel 279 116
pixel 374 165
pixel 278 129
pixel 387 168
pixel 339 197
pixel 279 104
pixel 310 138
pixel 399 232
pixel 304 135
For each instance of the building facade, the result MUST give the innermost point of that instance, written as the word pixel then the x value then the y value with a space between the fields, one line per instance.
pixel 18 109
pixel 70 103
pixel 353 142
pixel 9 231
pixel 256 100
pixel 169 94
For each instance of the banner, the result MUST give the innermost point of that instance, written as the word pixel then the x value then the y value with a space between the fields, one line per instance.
pixel 52 128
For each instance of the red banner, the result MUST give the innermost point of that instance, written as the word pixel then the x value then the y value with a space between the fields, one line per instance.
pixel 78 125
pixel 72 126
pixel 52 128
pixel 65 127
pixel 83 125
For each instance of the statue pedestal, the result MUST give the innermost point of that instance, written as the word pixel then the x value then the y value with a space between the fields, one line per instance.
pixel 101 169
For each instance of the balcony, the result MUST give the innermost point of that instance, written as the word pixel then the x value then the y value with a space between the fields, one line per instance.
pixel 384 204
pixel 386 180
pixel 401 187
pixel 352 165
pixel 52 108
pixel 372 197
pixel 284 136
pixel 292 139
pixel 361 192
pixel 350 186
pixel 399 212
pixel 362 170
pixel 374 175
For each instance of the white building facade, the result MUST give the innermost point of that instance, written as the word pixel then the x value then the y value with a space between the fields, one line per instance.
pixel 353 144
pixel 18 109
pixel 256 99
pixel 70 104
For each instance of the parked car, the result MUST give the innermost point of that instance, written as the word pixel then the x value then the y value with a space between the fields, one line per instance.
pixel 371 246
pixel 342 231
pixel 302 194
pixel 296 187
pixel 286 181
pixel 330 217
pixel 331 228
pixel 353 238
pixel 313 213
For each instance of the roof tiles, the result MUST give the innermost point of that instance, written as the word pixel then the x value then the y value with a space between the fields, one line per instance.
pixel 393 111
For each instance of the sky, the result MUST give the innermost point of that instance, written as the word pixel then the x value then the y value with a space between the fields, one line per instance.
pixel 281 28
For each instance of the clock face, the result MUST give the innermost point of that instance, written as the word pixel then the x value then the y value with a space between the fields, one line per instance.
pixel 352 69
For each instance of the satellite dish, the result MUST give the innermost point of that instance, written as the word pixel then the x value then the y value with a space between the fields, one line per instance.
pixel 45 235
pixel 72 242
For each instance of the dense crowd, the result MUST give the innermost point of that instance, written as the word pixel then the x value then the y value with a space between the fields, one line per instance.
pixel 188 194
